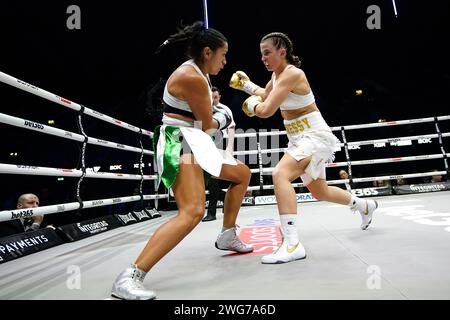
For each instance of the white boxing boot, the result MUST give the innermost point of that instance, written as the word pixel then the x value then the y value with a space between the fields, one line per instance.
pixel 285 253
pixel 366 211
pixel 229 240
pixel 129 285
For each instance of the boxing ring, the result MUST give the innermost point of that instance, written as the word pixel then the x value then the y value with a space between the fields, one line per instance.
pixel 403 255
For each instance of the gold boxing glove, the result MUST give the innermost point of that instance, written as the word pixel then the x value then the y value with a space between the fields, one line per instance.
pixel 239 80
pixel 249 105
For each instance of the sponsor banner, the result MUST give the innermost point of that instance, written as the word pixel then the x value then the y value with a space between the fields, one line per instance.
pixel 22 244
pixel 264 238
pixel 372 192
pixel 152 212
pixel 126 218
pixel 423 187
pixel 80 230
pixel 307 197
pixel 141 215
pixel 247 201
pixel 301 197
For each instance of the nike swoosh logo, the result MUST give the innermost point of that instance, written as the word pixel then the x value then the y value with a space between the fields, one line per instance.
pixel 292 249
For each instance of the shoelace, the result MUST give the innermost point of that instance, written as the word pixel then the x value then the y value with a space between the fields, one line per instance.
pixel 236 243
pixel 138 276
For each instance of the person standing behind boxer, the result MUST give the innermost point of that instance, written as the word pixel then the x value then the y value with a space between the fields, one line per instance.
pixel 228 133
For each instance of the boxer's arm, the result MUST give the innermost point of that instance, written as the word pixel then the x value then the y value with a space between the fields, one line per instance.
pixel 230 139
pixel 264 92
pixel 277 95
pixel 196 93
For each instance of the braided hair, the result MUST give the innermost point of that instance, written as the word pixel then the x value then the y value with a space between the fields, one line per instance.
pixel 197 38
pixel 281 40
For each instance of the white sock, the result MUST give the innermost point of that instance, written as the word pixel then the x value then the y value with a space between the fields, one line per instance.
pixel 225 229
pixel 289 228
pixel 360 203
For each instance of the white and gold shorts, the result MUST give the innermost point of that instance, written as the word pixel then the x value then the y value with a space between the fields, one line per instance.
pixel 310 135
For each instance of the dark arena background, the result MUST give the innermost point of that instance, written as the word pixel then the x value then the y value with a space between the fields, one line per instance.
pixel 363 68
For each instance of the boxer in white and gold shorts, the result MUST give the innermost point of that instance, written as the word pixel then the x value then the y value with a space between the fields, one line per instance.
pixel 311 143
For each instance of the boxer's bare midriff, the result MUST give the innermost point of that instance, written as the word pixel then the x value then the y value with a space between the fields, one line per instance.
pixel 293 114
pixel 179 117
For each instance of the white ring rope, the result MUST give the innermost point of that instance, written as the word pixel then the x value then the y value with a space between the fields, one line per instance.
pixel 5 78
pixel 7 215
pixel 351 127
pixel 355 143
pixel 390 123
pixel 35 126
pixel 59 172
pixel 388 160
pixel 427 136
pixel 371 161
pixel 366 179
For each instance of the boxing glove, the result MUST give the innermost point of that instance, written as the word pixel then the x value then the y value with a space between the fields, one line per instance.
pixel 240 81
pixel 222 117
pixel 249 105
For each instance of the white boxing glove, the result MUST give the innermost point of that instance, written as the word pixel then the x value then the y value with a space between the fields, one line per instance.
pixel 250 104
pixel 222 117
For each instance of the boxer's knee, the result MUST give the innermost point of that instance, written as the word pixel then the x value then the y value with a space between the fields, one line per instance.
pixel 279 174
pixel 192 213
pixel 246 174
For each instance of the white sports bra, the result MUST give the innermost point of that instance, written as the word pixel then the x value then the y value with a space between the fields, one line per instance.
pixel 182 105
pixel 295 101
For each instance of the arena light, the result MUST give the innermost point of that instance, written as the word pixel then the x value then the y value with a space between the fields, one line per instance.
pixel 205 12
pixel 358 92
pixel 395 8
pixel 51 122
pixel 61 179
pixel 13 154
